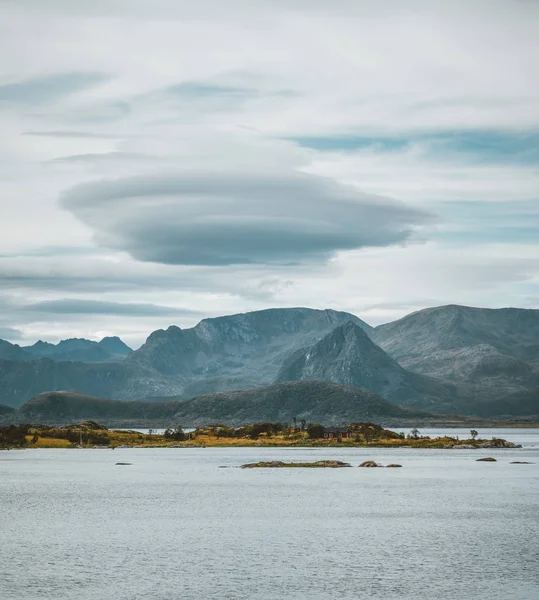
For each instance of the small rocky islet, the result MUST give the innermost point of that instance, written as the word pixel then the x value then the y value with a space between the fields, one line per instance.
pixel 319 464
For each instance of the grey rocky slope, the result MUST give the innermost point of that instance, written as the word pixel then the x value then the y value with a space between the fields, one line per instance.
pixel 313 401
pixel 80 349
pixel 237 351
pixel 491 351
pixel 348 356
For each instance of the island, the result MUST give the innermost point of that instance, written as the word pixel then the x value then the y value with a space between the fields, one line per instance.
pixel 90 434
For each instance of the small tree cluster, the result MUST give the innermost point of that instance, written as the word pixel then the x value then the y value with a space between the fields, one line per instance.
pixel 13 436
pixel 253 431
pixel 315 430
pixel 177 434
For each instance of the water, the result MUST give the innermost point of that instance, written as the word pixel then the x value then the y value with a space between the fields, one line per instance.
pixel 173 525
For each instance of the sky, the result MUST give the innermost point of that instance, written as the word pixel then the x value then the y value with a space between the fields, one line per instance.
pixel 166 161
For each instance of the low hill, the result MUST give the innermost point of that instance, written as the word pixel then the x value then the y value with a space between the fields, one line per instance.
pixel 348 356
pixel 314 401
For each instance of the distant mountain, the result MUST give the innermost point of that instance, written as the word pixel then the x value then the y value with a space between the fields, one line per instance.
pixel 313 401
pixel 226 353
pixel 21 380
pixel 80 349
pixel 10 351
pixel 348 356
pixel 237 351
pixel 449 359
pixel 496 351
pixel 115 346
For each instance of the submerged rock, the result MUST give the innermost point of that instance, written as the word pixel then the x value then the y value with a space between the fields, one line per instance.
pixel 121 463
pixel 393 465
pixel 487 459
pixel 521 462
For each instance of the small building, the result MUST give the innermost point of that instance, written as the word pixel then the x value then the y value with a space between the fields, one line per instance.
pixel 338 433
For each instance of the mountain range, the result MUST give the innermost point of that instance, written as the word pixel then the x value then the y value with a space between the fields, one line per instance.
pixel 449 359
pixel 74 349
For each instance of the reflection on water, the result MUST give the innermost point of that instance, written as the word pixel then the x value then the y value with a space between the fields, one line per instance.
pixel 173 525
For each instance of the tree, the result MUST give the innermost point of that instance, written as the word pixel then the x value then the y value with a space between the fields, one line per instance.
pixel 303 423
pixel 414 434
pixel 315 430
pixel 176 434
pixel 473 433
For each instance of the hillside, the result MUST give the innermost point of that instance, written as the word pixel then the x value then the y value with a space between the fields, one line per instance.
pixel 348 356
pixel 22 380
pixel 519 404
pixel 313 401
pixel 495 350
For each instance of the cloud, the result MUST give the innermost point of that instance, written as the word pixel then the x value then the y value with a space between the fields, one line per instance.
pixel 10 333
pixel 39 90
pixel 99 307
pixel 72 134
pixel 213 218
pixel 431 103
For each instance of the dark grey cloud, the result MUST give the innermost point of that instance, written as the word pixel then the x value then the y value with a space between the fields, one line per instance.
pixel 223 218
pixel 99 307
pixel 49 88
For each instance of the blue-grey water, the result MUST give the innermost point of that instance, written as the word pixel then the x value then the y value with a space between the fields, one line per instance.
pixel 173 525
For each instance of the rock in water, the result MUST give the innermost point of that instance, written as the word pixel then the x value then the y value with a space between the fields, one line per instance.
pixel 124 463
pixel 487 459
pixel 369 463
pixel 393 465
pixel 277 464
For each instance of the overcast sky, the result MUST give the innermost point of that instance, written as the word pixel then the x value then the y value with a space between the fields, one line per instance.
pixel 165 161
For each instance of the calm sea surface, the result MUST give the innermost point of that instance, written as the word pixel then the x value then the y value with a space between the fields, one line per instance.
pixel 173 525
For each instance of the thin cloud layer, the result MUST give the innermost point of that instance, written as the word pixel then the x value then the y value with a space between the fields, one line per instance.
pixel 212 218
pixel 73 306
